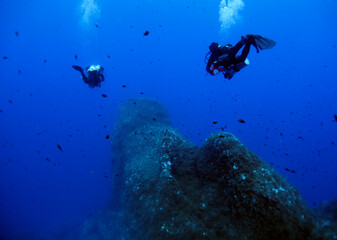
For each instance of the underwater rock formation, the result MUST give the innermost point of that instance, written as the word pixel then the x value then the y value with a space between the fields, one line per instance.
pixel 102 226
pixel 328 210
pixel 173 189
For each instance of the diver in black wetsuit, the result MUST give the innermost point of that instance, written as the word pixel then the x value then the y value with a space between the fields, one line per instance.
pixel 225 59
pixel 95 75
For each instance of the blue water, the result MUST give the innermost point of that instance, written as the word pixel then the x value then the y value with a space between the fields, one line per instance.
pixel 290 90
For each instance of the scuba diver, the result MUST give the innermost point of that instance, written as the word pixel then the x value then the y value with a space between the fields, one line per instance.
pixel 225 59
pixel 95 75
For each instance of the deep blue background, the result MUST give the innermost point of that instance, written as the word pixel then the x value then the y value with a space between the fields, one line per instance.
pixel 291 89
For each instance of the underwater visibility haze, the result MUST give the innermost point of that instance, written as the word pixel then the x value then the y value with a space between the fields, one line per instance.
pixel 71 157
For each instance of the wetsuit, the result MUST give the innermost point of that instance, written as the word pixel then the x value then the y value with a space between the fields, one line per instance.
pixel 227 56
pixel 95 75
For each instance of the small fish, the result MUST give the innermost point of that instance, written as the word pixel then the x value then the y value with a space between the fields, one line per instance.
pixel 146 33
pixel 104 95
pixel 124 86
pixel 59 147
pixel 215 122
pixel 107 136
pixel 106 176
pixel 289 170
pixel 154 119
pixel 0 111
pixel 108 56
pixel 141 93
pixel 10 101
pixel 19 71
pixel 96 25
pixel 47 159
pixel 45 61
pixel 5 57
pixel 221 136
pixel 335 117
pixel 281 134
pixel 241 121
pixel 75 56
pixel 16 33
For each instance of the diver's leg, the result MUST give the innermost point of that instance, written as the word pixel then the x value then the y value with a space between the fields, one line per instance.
pixel 85 78
pixel 238 46
pixel 244 53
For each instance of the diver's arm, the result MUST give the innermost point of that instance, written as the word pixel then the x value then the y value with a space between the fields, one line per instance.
pixel 209 64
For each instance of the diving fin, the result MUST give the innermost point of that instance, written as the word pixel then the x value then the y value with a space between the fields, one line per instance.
pixel 78 68
pixel 261 43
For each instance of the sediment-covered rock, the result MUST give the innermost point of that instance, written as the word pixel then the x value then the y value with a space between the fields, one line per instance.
pixel 328 210
pixel 172 189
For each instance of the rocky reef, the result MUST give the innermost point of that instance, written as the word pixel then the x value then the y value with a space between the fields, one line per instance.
pixel 170 188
